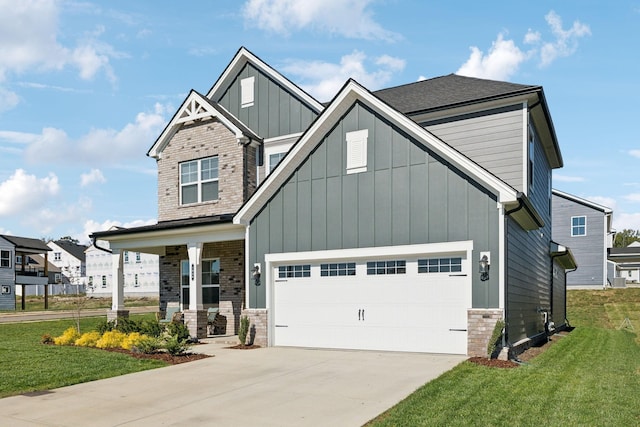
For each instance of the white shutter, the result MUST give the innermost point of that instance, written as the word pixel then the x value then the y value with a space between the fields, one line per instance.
pixel 357 151
pixel 246 92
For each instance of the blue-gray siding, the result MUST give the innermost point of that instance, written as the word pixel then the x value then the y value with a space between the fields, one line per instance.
pixel 529 262
pixel 559 300
pixel 275 112
pixel 589 251
pixel 406 196
pixel 492 138
pixel 7 278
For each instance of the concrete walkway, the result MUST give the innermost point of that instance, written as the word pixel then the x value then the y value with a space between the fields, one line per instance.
pixel 274 386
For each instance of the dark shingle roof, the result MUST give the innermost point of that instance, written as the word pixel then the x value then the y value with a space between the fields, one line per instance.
pixel 72 248
pixel 27 243
pixel 448 91
pixel 167 225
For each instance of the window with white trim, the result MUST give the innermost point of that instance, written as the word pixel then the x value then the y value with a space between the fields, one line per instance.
pixel 138 259
pixel 57 256
pixel 247 91
pixel 386 267
pixel 357 151
pixel 440 265
pixel 199 180
pixel 57 277
pixel 274 159
pixel 90 281
pixel 338 269
pixel 578 226
pixel 5 259
pixel 135 280
pixel 289 271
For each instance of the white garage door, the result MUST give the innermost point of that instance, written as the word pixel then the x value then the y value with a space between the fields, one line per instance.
pixel 397 303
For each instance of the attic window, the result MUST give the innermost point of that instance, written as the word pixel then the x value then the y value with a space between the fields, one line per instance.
pixel 247 92
pixel 357 151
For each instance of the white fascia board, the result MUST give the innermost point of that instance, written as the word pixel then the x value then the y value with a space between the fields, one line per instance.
pixel 210 112
pixel 351 93
pixel 582 201
pixel 240 60
pixel 441 248
pixel 155 241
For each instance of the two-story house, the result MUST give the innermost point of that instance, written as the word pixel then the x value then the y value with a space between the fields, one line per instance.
pixel 586 227
pixel 407 219
pixel 140 272
pixel 16 271
pixel 68 255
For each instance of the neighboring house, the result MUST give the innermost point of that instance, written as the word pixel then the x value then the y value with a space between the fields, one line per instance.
pixel 626 265
pixel 407 219
pixel 585 227
pixel 58 284
pixel 21 275
pixel 69 257
pixel 141 275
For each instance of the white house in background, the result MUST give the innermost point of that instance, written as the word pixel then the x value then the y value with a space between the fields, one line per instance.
pixel 69 257
pixel 141 272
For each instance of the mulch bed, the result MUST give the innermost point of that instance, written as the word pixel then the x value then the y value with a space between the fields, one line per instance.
pixel 170 359
pixel 244 347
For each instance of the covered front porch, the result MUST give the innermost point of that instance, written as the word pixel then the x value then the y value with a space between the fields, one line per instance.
pixel 201 267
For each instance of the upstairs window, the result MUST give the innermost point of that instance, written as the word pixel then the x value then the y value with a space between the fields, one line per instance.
pixel 247 92
pixel 57 256
pixel 138 259
pixel 578 226
pixel 5 259
pixel 199 181
pixel 274 159
pixel 126 256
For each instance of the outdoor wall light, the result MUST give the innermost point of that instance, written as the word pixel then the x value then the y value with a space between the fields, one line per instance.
pixel 255 272
pixel 484 265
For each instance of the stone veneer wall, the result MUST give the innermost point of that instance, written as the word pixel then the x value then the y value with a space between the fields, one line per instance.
pixel 257 326
pixel 197 141
pixel 480 324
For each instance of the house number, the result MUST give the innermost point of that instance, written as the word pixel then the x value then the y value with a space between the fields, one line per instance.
pixel 193 268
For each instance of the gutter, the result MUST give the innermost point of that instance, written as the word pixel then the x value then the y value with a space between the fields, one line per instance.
pixel 94 241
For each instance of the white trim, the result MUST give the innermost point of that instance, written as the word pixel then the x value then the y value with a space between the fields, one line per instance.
pixel 344 100
pixel 582 201
pixel 585 226
pixel 525 148
pixel 276 139
pixel 247 91
pixel 240 60
pixel 247 274
pixel 502 250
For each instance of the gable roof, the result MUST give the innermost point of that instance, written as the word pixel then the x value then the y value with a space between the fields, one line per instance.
pixel 197 107
pixel 74 249
pixel 582 201
pixel 27 244
pixel 351 93
pixel 453 91
pixel 242 57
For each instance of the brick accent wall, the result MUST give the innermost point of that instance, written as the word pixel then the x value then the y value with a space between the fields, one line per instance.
pixel 480 324
pixel 196 321
pixel 197 141
pixel 257 326
pixel 231 255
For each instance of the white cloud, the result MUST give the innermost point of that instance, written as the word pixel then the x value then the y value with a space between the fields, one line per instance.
pixel 348 18
pixel 94 176
pixel 500 63
pixel 23 193
pixel 504 58
pixel 324 79
pixel 99 146
pixel 8 99
pixel 607 202
pixel 623 221
pixel 91 226
pixel 567 178
pixel 634 153
pixel 633 197
pixel 28 42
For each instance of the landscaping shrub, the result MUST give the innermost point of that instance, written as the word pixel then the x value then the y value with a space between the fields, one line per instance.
pixel 88 339
pixel 147 345
pixel 111 339
pixel 492 346
pixel 178 330
pixel 68 337
pixel 244 329
pixel 151 328
pixel 176 346
pixel 127 326
pixel 132 340
pixel 104 326
pixel 47 339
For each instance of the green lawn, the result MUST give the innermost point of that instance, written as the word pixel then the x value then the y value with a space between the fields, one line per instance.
pixel 28 365
pixel 70 302
pixel 590 377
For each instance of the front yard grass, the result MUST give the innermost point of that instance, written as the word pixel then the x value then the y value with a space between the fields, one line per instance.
pixel 28 365
pixel 70 302
pixel 590 376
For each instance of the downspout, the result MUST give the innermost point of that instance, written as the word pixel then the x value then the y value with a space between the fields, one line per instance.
pixel 94 242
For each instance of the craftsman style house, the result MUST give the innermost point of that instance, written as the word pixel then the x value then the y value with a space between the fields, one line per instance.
pixel 407 219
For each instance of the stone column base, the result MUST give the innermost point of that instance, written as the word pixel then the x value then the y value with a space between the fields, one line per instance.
pixel 196 321
pixel 480 324
pixel 117 314
pixel 258 333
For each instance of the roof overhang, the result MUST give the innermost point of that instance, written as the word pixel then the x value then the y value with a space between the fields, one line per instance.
pixel 351 93
pixel 154 238
pixel 563 256
pixel 523 212
pixel 242 57
pixel 624 255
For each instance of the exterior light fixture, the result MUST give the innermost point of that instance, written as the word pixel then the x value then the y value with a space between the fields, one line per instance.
pixel 484 265
pixel 255 272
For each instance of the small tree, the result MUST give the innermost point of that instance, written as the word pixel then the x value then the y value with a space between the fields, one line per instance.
pixel 492 345
pixel 244 330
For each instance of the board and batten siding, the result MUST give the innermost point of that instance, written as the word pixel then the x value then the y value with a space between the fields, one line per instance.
pixel 406 196
pixel 492 138
pixel 559 300
pixel 7 278
pixel 528 265
pixel 589 251
pixel 275 111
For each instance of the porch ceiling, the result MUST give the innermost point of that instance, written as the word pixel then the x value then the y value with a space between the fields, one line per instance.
pixel 623 255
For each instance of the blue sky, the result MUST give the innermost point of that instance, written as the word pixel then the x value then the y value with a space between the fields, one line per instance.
pixel 87 86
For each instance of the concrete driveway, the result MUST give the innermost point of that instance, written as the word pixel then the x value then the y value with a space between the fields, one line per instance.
pixel 274 386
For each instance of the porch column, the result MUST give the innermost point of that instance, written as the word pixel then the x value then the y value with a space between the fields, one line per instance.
pixel 196 317
pixel 117 287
